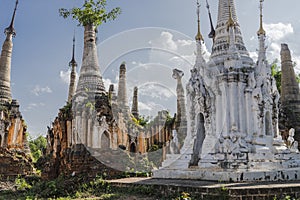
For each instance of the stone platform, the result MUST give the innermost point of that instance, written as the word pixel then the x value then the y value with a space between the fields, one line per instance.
pixel 266 166
pixel 229 175
pixel 215 190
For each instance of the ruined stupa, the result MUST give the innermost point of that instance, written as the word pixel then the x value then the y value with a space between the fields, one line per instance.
pixel 290 95
pixel 92 122
pixel 15 156
pixel 232 111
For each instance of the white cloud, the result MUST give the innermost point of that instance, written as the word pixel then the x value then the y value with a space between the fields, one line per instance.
pixel 142 65
pixel 143 106
pixel 253 55
pixel 38 90
pixel 185 42
pixel 165 41
pixel 107 82
pixel 176 51
pixel 65 76
pixel 32 106
pixel 191 58
pixel 278 31
pixel 274 51
pixel 205 52
pixel 181 61
pixel 156 90
pixel 276 34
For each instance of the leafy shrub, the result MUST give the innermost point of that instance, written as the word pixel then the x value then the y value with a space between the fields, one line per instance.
pixel 37 147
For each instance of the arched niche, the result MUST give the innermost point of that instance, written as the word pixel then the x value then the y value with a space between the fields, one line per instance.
pixel 268 124
pixel 132 148
pixel 105 140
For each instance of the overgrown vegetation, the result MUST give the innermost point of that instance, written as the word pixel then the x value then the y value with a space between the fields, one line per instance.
pixel 78 187
pixel 184 196
pixel 276 73
pixel 73 187
pixel 21 183
pixel 141 121
pixel 67 111
pixel 37 146
pixel 91 13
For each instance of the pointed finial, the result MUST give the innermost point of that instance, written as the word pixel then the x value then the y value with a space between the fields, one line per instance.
pixel 212 30
pixel 261 30
pixel 230 22
pixel 73 62
pixel 11 29
pixel 199 36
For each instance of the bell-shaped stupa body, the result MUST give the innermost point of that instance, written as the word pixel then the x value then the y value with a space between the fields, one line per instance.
pixel 221 45
pixel 90 79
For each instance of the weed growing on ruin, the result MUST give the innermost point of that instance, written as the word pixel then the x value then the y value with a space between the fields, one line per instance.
pixel 22 184
pixel 184 196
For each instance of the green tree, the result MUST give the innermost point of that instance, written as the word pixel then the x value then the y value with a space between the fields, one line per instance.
pixel 93 12
pixel 37 146
pixel 276 73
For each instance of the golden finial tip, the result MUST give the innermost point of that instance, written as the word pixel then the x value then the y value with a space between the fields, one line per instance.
pixel 261 30
pixel 230 22
pixel 199 36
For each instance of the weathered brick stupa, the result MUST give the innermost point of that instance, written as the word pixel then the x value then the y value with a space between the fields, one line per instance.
pixel 14 150
pixel 96 132
pixel 290 95
pixel 232 109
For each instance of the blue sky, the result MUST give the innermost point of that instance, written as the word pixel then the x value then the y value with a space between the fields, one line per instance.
pixel 152 36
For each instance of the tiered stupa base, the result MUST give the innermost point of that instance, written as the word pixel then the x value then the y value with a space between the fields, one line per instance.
pixel 282 167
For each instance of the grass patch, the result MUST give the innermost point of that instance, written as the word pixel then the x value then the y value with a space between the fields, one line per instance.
pixel 65 188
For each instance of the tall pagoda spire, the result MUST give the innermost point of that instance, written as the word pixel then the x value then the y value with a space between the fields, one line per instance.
pixel 122 99
pixel 212 30
pixel 262 67
pixel 199 40
pixel 11 30
pixel 227 18
pixel 122 89
pixel 261 30
pixel 199 36
pixel 73 65
pixel 135 107
pixel 5 61
pixel 231 33
pixel 230 22
pixel 90 79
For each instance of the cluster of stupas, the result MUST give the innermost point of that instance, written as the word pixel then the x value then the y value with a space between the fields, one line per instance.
pixel 230 123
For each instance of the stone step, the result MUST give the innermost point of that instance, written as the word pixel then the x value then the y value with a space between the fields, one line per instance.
pixel 170 159
pixel 181 161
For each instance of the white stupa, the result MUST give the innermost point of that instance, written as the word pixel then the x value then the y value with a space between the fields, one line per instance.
pixel 232 112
